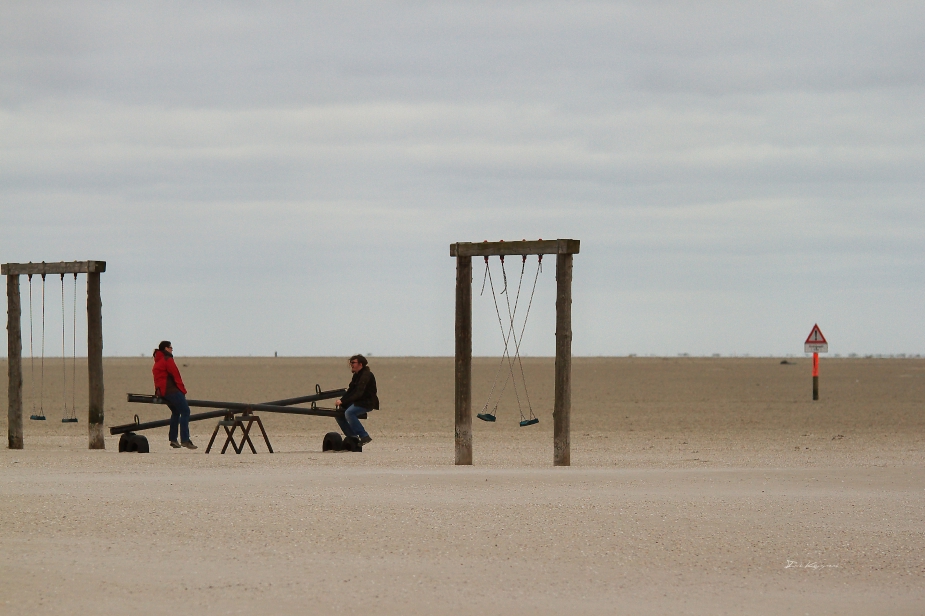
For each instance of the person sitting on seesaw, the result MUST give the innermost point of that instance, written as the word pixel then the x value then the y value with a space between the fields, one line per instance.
pixel 168 384
pixel 360 398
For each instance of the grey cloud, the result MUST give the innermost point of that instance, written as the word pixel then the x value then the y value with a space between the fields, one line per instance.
pixel 726 165
pixel 239 54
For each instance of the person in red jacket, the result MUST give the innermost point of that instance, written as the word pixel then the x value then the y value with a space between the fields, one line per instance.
pixel 168 384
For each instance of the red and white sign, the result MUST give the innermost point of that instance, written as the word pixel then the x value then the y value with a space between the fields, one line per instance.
pixel 815 342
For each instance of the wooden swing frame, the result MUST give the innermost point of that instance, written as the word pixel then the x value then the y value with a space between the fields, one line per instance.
pixel 92 269
pixel 464 251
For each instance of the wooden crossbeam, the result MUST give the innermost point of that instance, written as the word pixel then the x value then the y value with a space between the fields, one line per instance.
pixel 61 267
pixel 490 249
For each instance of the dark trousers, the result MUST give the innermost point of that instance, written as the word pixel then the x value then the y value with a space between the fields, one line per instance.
pixel 179 415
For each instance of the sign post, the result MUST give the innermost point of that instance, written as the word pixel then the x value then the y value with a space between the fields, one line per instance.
pixel 815 344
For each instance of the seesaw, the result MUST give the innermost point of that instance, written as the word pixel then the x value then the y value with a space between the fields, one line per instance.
pixel 234 414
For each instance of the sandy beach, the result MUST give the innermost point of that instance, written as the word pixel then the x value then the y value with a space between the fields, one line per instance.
pixel 697 486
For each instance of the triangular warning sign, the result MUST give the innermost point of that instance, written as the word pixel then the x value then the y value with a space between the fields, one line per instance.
pixel 815 343
pixel 815 336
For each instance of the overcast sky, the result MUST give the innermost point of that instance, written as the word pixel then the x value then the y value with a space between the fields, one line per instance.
pixel 288 177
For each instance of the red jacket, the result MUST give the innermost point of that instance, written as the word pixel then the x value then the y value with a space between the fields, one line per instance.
pixel 165 370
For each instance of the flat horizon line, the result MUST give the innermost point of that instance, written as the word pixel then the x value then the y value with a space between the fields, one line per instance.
pixel 625 356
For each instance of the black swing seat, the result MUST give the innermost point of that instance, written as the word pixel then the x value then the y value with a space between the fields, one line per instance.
pixel 486 417
pixel 529 422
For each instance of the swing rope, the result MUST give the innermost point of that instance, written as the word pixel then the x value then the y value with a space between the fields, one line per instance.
pixel 41 413
pixel 74 356
pixel 42 394
pixel 32 354
pixel 506 353
pixel 539 267
pixel 63 351
pixel 492 416
pixel 485 415
pixel 72 416
pixel 511 326
pixel 517 341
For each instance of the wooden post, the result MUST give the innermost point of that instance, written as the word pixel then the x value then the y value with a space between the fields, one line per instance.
pixel 562 410
pixel 95 360
pixel 463 360
pixel 14 365
pixel 815 376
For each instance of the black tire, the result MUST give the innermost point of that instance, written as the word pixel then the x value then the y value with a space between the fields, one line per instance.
pixel 332 442
pixel 140 444
pixel 125 440
pixel 352 443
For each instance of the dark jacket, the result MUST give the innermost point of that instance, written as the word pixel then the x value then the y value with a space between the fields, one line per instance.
pixel 166 374
pixel 362 390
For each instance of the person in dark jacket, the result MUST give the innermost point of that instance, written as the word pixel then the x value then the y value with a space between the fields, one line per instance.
pixel 360 398
pixel 168 384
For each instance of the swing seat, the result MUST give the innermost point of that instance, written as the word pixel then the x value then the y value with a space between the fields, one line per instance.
pixel 486 417
pixel 69 420
pixel 529 422
pixel 37 417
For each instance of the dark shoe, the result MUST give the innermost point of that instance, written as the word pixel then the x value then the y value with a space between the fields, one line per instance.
pixel 365 439
pixel 189 445
pixel 175 444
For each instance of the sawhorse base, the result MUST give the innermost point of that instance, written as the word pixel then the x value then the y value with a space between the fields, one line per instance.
pixel 230 424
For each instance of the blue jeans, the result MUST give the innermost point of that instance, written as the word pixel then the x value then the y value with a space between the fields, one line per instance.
pixel 179 415
pixel 349 424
